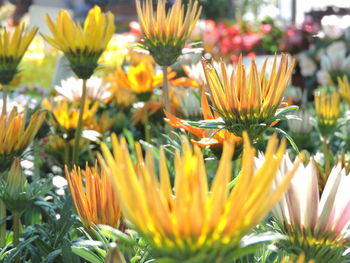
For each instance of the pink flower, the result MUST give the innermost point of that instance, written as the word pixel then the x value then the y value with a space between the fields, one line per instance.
pixel 250 40
pixel 265 28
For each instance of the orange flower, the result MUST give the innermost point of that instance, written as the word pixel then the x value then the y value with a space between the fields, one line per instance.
pixel 98 203
pixel 140 78
pixel 165 33
pixel 248 102
pixel 206 135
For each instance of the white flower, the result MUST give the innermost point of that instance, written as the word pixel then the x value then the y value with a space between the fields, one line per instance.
pixel 71 89
pixel 322 77
pixel 302 126
pixel 335 58
pixel 196 72
pixel 336 47
pixel 307 65
pixel 306 214
pixel 190 104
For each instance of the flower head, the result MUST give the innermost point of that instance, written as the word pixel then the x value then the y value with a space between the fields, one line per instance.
pixel 335 62
pixel 327 111
pixel 82 46
pixel 140 78
pixel 66 115
pixel 165 34
pixel 315 223
pixel 71 90
pixel 244 102
pixel 96 203
pixel 16 192
pixel 15 183
pixel 301 128
pixel 15 137
pixel 194 220
pixel 12 48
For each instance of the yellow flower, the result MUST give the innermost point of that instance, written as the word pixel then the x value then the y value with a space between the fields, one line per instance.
pixel 245 101
pixel 116 51
pixel 12 48
pixel 345 88
pixel 15 137
pixel 66 116
pixel 36 51
pixel 97 204
pixel 82 46
pixel 327 111
pixel 165 34
pixel 140 78
pixel 194 220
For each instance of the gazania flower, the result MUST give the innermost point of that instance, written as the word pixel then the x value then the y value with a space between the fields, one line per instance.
pixel 82 46
pixel 15 137
pixel 208 137
pixel 345 88
pixel 327 111
pixel 315 223
pixel 140 78
pixel 165 34
pixel 96 89
pixel 248 102
pixel 193 222
pixel 12 48
pixel 66 116
pixel 335 62
pixel 301 128
pixel 96 203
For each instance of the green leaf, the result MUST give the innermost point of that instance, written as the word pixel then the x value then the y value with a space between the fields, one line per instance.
pixel 280 113
pixel 87 254
pixel 52 256
pixel 115 234
pixel 22 245
pixel 208 124
pixel 290 139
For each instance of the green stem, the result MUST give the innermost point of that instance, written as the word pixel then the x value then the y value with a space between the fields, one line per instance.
pixel 66 154
pixel 16 223
pixel 326 155
pixel 77 135
pixel 36 158
pixel 147 133
pixel 166 89
pixel 4 100
pixel 166 96
pixel 3 226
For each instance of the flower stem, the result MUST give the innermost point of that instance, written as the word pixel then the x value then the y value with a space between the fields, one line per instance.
pixel 36 148
pixel 77 135
pixel 2 226
pixel 4 100
pixel 147 133
pixel 66 153
pixel 166 96
pixel 16 222
pixel 326 155
pixel 166 90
